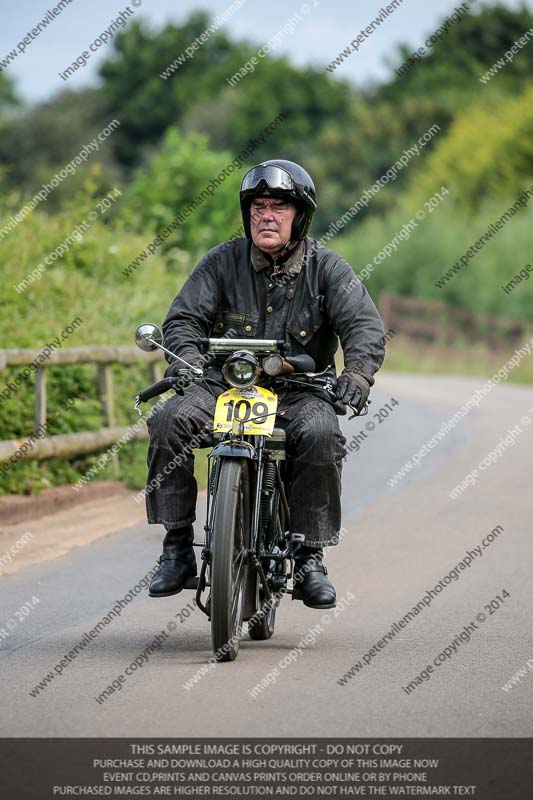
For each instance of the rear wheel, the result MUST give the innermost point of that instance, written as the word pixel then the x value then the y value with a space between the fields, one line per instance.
pixel 261 626
pixel 229 557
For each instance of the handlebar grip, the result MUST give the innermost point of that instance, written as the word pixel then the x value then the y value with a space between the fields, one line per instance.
pixel 301 363
pixel 159 387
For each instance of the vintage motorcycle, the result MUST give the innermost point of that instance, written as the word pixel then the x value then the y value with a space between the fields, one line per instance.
pixel 247 556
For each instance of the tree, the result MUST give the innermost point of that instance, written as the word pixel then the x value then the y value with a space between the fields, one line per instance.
pixel 44 138
pixel 175 177
pixel 198 96
pixel 8 98
pixel 497 164
pixel 348 159
pixel 308 98
pixel 450 70
pixel 146 103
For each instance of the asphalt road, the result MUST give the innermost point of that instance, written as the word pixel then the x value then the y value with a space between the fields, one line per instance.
pixel 399 542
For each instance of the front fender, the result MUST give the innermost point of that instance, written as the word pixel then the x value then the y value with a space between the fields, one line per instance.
pixel 233 449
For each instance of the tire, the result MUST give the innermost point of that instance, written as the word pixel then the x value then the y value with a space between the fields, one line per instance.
pixel 229 568
pixel 262 627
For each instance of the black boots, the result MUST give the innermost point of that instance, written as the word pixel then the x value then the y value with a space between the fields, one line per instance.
pixel 311 583
pixel 176 563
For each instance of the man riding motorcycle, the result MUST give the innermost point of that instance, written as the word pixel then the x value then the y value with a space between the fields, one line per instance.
pixel 274 283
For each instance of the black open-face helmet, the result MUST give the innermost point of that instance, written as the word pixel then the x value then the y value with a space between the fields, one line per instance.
pixel 283 179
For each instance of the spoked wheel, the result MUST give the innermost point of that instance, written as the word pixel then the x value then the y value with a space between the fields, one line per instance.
pixel 229 566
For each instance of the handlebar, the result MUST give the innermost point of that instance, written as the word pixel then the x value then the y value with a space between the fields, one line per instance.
pixel 303 367
pixel 176 383
pixel 229 345
pixel 159 387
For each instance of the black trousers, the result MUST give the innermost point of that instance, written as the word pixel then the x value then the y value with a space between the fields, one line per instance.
pixel 315 446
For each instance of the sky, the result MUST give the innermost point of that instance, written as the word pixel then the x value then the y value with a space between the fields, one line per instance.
pixel 317 38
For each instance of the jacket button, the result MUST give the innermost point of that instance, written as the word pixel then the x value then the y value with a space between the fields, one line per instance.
pixel 247 328
pixel 303 333
pixel 269 309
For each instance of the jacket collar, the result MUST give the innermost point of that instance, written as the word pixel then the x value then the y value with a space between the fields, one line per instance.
pixel 291 265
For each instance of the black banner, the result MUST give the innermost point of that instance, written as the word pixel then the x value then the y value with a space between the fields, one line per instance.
pixel 487 769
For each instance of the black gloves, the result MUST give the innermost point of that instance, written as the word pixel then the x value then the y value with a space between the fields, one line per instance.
pixel 192 357
pixel 185 379
pixel 352 389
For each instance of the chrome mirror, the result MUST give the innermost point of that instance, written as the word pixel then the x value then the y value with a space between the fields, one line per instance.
pixel 148 337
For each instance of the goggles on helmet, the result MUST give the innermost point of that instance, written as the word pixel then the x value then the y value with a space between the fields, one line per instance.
pixel 276 179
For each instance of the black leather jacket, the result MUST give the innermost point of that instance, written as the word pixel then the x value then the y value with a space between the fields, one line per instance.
pixel 314 301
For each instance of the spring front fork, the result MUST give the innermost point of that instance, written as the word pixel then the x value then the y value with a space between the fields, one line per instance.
pixel 269 484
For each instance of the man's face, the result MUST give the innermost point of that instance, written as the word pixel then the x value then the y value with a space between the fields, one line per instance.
pixel 270 222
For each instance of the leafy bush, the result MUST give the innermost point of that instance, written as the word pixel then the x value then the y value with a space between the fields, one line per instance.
pixel 435 245
pixel 184 171
pixel 86 282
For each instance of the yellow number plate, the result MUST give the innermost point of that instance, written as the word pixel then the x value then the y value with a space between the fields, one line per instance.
pixel 255 407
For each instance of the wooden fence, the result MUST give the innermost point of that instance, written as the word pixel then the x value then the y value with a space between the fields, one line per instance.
pixel 70 444
pixel 426 322
pixel 431 323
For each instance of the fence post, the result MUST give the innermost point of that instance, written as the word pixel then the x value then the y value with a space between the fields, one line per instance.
pixel 39 408
pixel 156 371
pixel 105 388
pixel 385 302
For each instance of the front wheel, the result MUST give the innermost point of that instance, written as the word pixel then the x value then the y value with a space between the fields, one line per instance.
pixel 229 557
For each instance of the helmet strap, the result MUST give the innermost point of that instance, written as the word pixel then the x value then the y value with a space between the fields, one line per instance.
pixel 297 223
pixel 286 249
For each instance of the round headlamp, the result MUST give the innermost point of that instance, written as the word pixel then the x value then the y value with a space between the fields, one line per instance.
pixel 273 365
pixel 241 369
